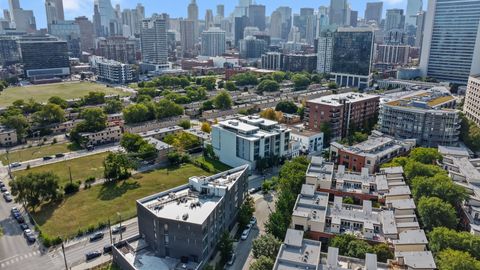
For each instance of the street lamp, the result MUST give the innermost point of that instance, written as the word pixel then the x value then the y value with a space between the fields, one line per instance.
pixel 120 226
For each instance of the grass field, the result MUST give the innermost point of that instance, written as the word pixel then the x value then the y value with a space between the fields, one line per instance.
pixel 42 93
pixel 213 165
pixel 35 152
pixel 81 168
pixel 99 203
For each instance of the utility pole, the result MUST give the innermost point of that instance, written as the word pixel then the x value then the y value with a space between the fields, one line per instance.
pixel 64 256
pixel 110 230
pixel 118 213
pixel 8 166
pixel 70 172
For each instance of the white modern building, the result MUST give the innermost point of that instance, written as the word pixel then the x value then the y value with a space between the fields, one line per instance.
pixel 154 40
pixel 248 139
pixel 114 72
pixel 310 142
pixel 213 42
pixel 451 40
pixel 272 61
pixel 471 108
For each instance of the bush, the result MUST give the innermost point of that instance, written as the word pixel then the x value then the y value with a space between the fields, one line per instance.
pixel 54 141
pixel 90 180
pixel 71 188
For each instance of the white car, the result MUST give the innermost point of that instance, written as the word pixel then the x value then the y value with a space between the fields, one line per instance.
pixel 245 234
pixel 253 221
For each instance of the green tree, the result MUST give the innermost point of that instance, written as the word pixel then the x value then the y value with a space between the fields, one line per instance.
pixel 94 120
pixel 268 86
pixel 209 83
pixel 441 238
pixel 185 124
pixel 383 252
pixel 166 108
pixel 230 86
pixel 326 128
pixel 19 123
pixel 223 101
pixel 277 224
pixel 136 113
pixel 342 242
pixel 207 105
pixel 182 141
pixel 278 76
pixel 34 189
pixel 262 263
pixel 436 213
pixel 225 245
pixel 425 155
pixel 59 101
pixel 450 259
pixel 117 166
pixel 132 142
pixel 246 212
pixel 266 245
pixel 358 249
pixel 301 112
pixel 206 127
pixel 196 94
pixel 286 107
pixel 151 92
pixel 348 200
pixel 113 106
pixel 94 98
pixel 440 186
pixel 49 114
pixel 245 79
pixel 300 81
pixel 221 84
pixel 332 85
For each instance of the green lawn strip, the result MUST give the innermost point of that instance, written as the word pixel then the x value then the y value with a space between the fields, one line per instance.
pixel 99 203
pixel 82 168
pixel 35 152
pixel 213 164
pixel 41 93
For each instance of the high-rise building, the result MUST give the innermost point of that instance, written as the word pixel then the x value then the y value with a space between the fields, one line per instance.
pixel 240 24
pixel 208 18
pixel 70 32
pixel 325 52
pixel 352 57
pixel 323 21
pixel 306 24
pixel 44 56
pixel 419 29
pixel 132 18
pixel 472 99
pixel 353 18
pixel 221 11
pixel 395 19
pixel 54 9
pixel 449 53
pixel 193 16
pixel 251 47
pixel 105 19
pixel 187 27
pixel 299 62
pixel 118 48
pixel 154 41
pixel 272 61
pixel 392 54
pixel 87 33
pixel 276 25
pixel 339 12
pixel 9 51
pixel 413 8
pixel 13 5
pixel 213 42
pixel 24 20
pixel 373 12
pixel 256 15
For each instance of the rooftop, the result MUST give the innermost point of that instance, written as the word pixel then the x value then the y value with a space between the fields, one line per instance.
pixel 195 201
pixel 453 151
pixel 157 131
pixel 319 168
pixel 411 237
pixel 339 99
pixel 159 145
pixel 417 259
pixel 335 262
pixel 311 204
pixel 432 98
pixel 298 253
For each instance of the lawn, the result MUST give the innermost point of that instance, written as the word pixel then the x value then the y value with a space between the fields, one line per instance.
pixel 81 168
pixel 35 152
pixel 41 93
pixel 213 165
pixel 99 203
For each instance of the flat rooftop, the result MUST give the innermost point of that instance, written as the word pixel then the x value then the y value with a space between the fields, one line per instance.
pixel 239 126
pixel 194 202
pixel 467 169
pixel 157 131
pixel 417 259
pixel 453 151
pixel 320 168
pixel 298 253
pixel 311 204
pixel 338 99
pixel 159 145
pixel 425 99
pixel 411 237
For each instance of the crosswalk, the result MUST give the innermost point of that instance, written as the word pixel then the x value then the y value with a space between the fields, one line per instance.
pixel 17 259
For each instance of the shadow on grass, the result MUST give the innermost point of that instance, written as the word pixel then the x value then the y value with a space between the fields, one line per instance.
pixel 110 191
pixel 45 212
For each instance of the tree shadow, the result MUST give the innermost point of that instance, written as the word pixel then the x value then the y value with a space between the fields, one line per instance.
pixel 110 191
pixel 43 213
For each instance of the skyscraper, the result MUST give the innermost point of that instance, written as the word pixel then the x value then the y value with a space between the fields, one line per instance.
pixel 306 24
pixel 187 38
pixel 213 42
pixel 276 25
pixel 322 20
pixel 450 53
pixel 353 18
pixel 413 8
pixel 154 41
pixel 256 15
pixel 373 12
pixel 325 52
pixel 87 33
pixel 286 21
pixel 193 16
pixel 13 5
pixel 221 11
pixel 54 10
pixel 240 24
pixel 208 18
pixel 339 12
pixel 104 18
pixel 395 19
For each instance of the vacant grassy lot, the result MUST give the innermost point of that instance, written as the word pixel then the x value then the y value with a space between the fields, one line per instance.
pixel 82 168
pixel 42 93
pixel 101 202
pixel 213 165
pixel 35 152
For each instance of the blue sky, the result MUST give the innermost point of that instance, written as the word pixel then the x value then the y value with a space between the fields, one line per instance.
pixel 178 8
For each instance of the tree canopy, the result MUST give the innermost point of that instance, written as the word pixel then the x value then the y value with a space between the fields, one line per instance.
pixel 117 166
pixel 266 245
pixel 450 259
pixel 49 114
pixel 300 81
pixel 286 107
pixel 436 213
pixel 268 86
pixel 244 79
pixel 223 101
pixel 34 189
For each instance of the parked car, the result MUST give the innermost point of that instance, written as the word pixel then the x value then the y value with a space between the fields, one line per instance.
pixel 27 232
pixel 7 197
pixel 47 158
pixel 59 155
pixel 96 236
pixel 24 226
pixel 19 218
pixel 2 184
pixel 15 164
pixel 245 234
pixel 254 190
pixel 119 229
pixel 253 221
pixel 14 210
pixel 92 255
pixel 231 259
pixel 107 248
pixel 3 189
pixel 30 237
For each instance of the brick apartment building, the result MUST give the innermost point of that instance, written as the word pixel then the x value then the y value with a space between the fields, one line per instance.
pixel 341 111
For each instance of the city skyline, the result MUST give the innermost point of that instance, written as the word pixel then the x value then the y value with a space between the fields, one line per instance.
pixel 75 8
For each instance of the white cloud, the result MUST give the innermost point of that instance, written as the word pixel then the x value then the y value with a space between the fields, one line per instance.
pixel 77 5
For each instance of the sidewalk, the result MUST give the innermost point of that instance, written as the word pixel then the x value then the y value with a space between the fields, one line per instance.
pixel 104 259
